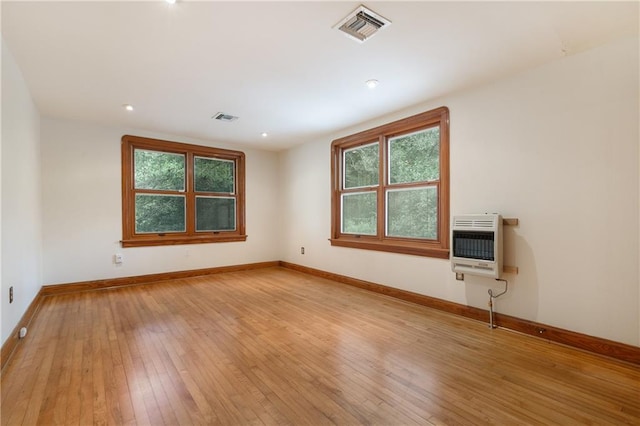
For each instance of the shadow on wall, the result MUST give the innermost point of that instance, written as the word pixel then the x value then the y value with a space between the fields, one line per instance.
pixel 523 296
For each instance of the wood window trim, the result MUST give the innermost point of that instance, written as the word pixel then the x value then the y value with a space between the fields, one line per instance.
pixel 129 236
pixel 432 248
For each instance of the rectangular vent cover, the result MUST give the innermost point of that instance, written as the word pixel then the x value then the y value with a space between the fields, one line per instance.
pixel 473 223
pixel 362 24
pixel 221 116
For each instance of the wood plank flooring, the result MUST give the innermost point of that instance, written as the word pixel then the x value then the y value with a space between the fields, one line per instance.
pixel 274 346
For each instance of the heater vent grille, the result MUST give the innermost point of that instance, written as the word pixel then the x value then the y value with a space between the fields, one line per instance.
pixel 474 223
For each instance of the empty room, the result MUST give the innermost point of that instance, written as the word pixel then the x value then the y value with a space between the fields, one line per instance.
pixel 329 212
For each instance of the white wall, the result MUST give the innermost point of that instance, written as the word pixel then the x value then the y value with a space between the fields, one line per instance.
pixel 82 220
pixel 556 147
pixel 21 255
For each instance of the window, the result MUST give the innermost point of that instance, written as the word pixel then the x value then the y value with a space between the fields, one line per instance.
pixel 175 193
pixel 390 187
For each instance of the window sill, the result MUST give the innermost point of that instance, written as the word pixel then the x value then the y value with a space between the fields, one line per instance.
pixel 416 249
pixel 168 240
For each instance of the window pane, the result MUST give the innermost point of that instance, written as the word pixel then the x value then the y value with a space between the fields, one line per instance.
pixel 359 213
pixel 159 170
pixel 361 166
pixel 160 213
pixel 212 175
pixel 215 214
pixel 415 157
pixel 413 213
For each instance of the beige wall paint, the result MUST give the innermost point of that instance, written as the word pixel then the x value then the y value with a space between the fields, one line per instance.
pixel 82 223
pixel 21 253
pixel 556 147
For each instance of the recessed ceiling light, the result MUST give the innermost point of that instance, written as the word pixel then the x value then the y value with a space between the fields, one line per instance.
pixel 265 134
pixel 128 107
pixel 371 84
pixel 170 1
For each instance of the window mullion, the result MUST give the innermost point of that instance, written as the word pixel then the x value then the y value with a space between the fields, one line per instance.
pixel 190 194
pixel 240 194
pixel 382 183
pixel 156 191
pixel 439 213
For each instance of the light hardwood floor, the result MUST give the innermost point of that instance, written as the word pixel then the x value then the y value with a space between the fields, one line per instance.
pixel 274 346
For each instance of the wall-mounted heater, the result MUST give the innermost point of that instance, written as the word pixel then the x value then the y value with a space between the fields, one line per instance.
pixel 477 244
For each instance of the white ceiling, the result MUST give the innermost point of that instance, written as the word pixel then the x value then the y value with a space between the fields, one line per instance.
pixel 280 66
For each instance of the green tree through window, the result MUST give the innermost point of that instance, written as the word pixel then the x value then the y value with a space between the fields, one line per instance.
pixel 175 193
pixel 391 187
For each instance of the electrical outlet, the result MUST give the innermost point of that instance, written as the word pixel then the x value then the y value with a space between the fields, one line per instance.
pixel 11 294
pixel 459 276
pixel 301 250
pixel 117 259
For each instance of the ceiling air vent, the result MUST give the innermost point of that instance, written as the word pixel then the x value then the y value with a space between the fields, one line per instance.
pixel 221 116
pixel 362 24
